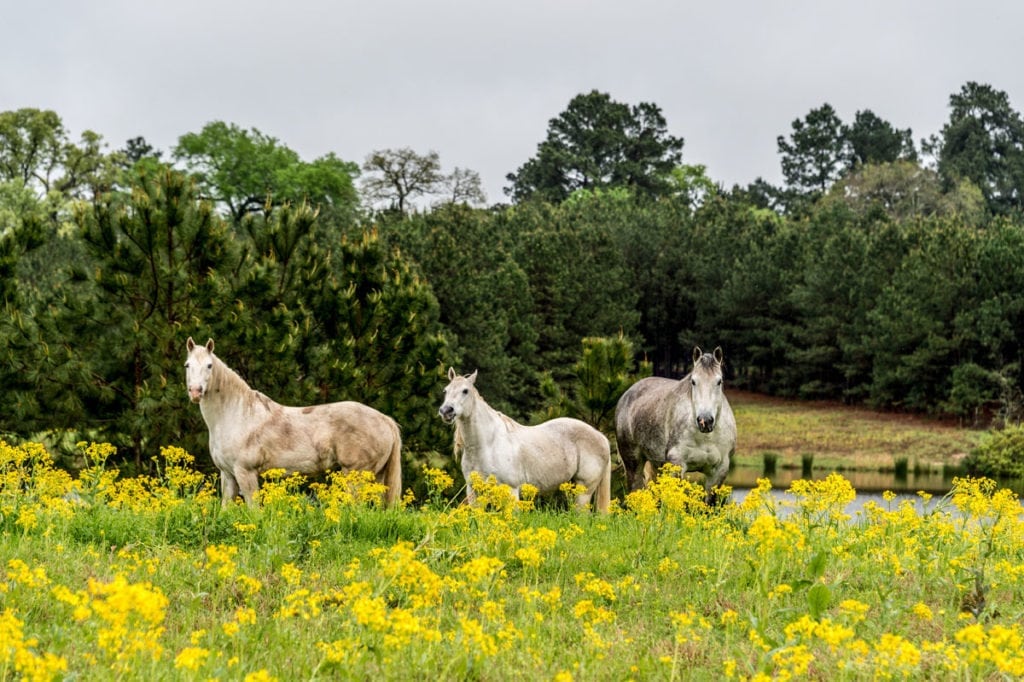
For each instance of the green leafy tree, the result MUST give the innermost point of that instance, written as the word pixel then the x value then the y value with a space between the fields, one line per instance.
pixel 36 150
pixel 599 143
pixel 22 221
pixel 903 190
pixel 247 171
pixel 984 142
pixel 692 185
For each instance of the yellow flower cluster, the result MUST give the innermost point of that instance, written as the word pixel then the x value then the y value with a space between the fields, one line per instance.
pixel 487 591
pixel 678 497
pixel 346 490
pixel 999 645
pixel 18 653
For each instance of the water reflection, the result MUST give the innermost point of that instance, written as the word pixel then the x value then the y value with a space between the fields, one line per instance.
pixel 869 485
pixel 786 503
pixel 934 482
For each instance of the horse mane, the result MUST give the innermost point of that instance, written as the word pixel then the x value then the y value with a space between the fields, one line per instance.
pixel 459 440
pixel 509 422
pixel 458 444
pixel 226 379
pixel 706 361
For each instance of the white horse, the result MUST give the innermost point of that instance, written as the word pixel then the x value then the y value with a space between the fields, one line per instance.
pixel 544 456
pixel 250 433
pixel 687 423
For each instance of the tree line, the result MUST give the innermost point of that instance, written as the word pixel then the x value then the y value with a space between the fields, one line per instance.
pixel 882 272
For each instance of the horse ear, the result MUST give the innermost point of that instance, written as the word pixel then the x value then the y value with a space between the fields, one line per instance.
pixel 472 377
pixel 696 354
pixel 718 354
pixel 209 345
pixel 190 344
pixel 451 373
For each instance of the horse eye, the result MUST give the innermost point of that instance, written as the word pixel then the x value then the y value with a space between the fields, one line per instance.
pixel 186 365
pixel 209 366
pixel 465 391
pixel 693 382
pixel 719 382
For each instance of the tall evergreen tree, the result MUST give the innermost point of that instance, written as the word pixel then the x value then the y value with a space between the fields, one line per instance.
pixel 984 143
pixel 466 256
pixel 101 358
pixel 599 143
pixel 872 140
pixel 814 155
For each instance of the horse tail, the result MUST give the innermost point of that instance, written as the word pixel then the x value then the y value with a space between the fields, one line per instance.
pixel 393 468
pixel 604 489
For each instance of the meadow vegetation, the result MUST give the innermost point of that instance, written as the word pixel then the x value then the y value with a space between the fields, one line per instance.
pixel 149 578
pixel 841 437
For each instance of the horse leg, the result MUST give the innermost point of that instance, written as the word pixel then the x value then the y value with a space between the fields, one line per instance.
pixel 228 488
pixel 604 489
pixel 583 500
pixel 677 456
pixel 248 482
pixel 648 473
pixel 391 476
pixel 598 490
pixel 714 479
pixel 630 464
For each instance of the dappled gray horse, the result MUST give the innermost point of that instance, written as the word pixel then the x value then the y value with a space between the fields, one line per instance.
pixel 545 456
pixel 250 433
pixel 687 423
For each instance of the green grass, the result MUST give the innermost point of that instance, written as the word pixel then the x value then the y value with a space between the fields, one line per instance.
pixel 155 581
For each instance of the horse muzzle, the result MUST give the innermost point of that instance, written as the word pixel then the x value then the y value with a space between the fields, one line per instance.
pixel 705 423
pixel 195 394
pixel 447 413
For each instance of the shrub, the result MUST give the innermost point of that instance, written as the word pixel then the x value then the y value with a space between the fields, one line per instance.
pixel 1000 454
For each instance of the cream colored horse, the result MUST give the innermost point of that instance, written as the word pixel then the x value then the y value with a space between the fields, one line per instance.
pixel 544 456
pixel 688 423
pixel 250 433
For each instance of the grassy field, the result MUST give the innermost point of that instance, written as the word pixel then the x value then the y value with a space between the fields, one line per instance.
pixel 842 437
pixel 150 579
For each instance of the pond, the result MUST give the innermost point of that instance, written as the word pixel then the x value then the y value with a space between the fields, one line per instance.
pixel 935 482
pixel 870 485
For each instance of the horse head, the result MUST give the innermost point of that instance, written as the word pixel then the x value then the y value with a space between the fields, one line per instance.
pixel 459 396
pixel 198 369
pixel 706 388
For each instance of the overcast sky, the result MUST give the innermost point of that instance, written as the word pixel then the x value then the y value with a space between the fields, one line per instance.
pixel 478 81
